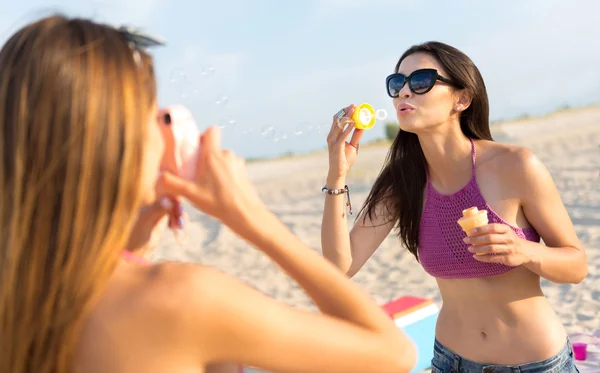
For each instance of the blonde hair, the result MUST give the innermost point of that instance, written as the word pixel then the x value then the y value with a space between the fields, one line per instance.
pixel 74 107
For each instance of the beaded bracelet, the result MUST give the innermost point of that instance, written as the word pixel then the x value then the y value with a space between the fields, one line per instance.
pixel 339 191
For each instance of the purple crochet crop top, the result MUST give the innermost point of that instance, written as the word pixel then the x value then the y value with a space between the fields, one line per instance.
pixel 442 252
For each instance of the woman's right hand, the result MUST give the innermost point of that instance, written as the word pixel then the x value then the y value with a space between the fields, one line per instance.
pixel 342 153
pixel 221 187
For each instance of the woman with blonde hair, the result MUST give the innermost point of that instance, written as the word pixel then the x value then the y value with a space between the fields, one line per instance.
pixel 80 148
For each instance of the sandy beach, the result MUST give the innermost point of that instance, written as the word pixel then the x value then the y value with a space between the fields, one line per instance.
pixel 568 142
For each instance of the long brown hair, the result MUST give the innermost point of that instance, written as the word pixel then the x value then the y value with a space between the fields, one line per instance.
pixel 74 108
pixel 400 186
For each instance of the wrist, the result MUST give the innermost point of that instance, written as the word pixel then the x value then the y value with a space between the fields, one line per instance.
pixel 532 253
pixel 335 182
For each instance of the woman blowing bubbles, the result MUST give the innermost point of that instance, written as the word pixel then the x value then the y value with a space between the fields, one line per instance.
pixel 442 162
pixel 80 148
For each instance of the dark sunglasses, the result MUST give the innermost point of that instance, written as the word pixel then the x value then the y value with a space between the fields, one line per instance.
pixel 419 82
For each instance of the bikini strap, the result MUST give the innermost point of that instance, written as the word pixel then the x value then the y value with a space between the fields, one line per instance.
pixel 473 156
pixel 129 256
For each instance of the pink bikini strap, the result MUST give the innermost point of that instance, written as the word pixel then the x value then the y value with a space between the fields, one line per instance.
pixel 134 258
pixel 473 156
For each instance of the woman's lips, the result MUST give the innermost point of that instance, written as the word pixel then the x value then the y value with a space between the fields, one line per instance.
pixel 405 109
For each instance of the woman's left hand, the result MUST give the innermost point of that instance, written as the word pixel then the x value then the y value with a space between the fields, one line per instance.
pixel 152 220
pixel 498 243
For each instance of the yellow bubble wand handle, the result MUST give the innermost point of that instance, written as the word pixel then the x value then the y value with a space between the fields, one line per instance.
pixel 364 116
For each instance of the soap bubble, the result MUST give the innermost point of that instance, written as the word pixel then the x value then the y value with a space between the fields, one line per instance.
pixel 183 92
pixel 181 82
pixel 381 114
pixel 298 131
pixel 178 76
pixel 228 122
pixel 196 92
pixel 302 128
pixel 207 72
pixel 221 100
pixel 199 72
pixel 319 128
pixel 247 131
pixel 307 128
pixel 268 132
pixel 280 137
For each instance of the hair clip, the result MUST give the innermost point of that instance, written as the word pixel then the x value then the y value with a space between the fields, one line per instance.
pixel 139 40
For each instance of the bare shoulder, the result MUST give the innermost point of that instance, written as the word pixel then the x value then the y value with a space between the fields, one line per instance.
pixel 511 165
pixel 504 155
pixel 153 312
pixel 177 291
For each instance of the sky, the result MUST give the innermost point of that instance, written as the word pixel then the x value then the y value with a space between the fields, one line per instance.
pixel 273 73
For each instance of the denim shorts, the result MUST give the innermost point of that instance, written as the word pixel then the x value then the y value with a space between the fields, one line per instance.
pixel 446 361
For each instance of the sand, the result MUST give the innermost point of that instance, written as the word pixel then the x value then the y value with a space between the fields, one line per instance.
pixel 567 142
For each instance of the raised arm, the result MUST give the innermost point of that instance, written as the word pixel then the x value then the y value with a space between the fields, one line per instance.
pixel 347 251
pixel 230 322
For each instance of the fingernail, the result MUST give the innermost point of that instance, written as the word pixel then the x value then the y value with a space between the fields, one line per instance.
pixel 180 222
pixel 466 239
pixel 166 203
pixel 179 210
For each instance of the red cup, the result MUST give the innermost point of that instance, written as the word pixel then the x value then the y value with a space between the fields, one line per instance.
pixel 580 351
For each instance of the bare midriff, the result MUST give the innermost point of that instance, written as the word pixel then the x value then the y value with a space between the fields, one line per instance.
pixel 504 319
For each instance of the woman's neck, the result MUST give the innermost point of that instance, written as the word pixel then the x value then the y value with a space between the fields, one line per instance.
pixel 448 156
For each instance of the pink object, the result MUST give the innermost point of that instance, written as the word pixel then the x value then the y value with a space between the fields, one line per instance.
pixel 128 255
pixel 442 251
pixel 181 135
pixel 580 351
